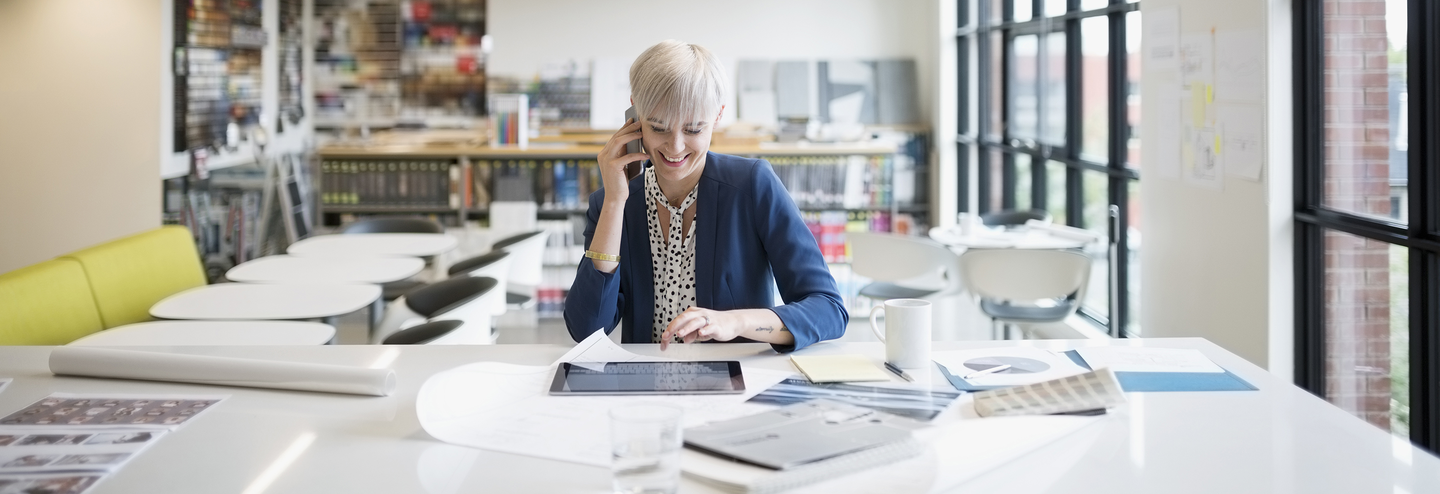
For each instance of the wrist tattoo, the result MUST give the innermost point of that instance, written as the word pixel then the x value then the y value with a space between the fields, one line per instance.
pixel 767 329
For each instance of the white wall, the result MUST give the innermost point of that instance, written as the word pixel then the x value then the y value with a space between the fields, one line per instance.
pixel 80 127
pixel 1217 264
pixel 529 34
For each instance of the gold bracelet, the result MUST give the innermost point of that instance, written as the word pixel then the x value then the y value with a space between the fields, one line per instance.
pixel 602 256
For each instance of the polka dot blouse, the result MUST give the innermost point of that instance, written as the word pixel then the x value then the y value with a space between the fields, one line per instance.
pixel 673 261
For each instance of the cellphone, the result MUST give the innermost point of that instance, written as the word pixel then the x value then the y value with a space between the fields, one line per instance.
pixel 634 146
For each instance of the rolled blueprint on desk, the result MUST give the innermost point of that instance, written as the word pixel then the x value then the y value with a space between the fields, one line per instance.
pixel 221 371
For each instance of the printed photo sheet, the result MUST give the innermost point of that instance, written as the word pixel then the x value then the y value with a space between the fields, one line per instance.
pixel 71 410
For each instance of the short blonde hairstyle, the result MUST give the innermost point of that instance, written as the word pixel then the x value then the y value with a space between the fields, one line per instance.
pixel 677 82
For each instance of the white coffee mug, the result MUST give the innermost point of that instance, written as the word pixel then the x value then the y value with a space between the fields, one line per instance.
pixel 907 332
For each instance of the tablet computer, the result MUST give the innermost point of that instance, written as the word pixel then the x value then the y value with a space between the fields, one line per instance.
pixel 648 378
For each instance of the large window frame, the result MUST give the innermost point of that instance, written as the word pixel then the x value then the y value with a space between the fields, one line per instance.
pixel 1420 235
pixel 977 140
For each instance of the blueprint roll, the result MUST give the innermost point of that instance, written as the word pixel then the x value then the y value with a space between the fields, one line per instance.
pixel 220 371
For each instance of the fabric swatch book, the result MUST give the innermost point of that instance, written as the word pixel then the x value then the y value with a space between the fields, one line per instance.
pixel 838 368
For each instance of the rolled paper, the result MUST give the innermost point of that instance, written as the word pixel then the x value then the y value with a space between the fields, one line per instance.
pixel 220 371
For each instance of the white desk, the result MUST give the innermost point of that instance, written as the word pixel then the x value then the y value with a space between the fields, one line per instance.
pixel 319 269
pixel 375 245
pixel 1276 440
pixel 212 333
pixel 985 238
pixel 247 301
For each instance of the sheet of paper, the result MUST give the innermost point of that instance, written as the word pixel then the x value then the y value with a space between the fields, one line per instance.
pixel 1028 365
pixel 915 403
pixel 1197 59
pixel 1141 359
pixel 1242 137
pixel 5 382
pixel 1239 65
pixel 1167 133
pixel 504 407
pixel 598 348
pixel 112 411
pixel 1161 38
pixel 838 368
pixel 30 449
pixel 1205 168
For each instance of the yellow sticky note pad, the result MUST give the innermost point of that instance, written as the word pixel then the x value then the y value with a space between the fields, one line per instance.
pixel 838 368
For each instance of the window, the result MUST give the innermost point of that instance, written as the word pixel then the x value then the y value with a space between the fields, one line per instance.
pixel 1368 211
pixel 1055 100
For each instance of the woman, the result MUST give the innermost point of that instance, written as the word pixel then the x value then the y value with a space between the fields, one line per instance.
pixel 687 250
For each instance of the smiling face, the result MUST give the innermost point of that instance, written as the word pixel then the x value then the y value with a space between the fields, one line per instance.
pixel 678 151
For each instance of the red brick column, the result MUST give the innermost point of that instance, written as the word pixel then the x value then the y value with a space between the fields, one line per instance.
pixel 1357 276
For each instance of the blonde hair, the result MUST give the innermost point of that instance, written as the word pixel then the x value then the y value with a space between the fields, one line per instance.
pixel 677 82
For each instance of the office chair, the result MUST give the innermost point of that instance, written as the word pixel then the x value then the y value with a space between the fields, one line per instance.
pixel 495 264
pixel 466 299
pixel 903 266
pixel 1010 218
pixel 423 334
pixel 1026 286
pixel 527 266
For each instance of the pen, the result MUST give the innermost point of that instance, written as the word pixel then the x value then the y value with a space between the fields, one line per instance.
pixel 898 372
pixel 986 372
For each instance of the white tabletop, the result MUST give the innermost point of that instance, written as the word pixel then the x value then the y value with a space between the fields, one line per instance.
pixel 266 301
pixel 317 269
pixel 986 238
pixel 1279 439
pixel 375 244
pixel 212 333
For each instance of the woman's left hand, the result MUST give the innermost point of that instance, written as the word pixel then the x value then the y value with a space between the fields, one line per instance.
pixel 697 324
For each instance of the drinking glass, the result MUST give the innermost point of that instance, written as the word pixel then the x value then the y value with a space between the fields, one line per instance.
pixel 645 448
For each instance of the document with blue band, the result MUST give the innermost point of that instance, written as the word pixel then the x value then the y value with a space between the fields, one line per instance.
pixel 1141 370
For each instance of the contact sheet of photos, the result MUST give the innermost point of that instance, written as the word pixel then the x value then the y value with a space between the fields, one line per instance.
pixel 67 443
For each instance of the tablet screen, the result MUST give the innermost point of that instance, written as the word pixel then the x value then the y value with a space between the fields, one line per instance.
pixel 704 377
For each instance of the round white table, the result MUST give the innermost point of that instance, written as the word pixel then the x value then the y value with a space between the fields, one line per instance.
pixel 337 269
pixel 249 301
pixel 212 333
pixel 986 238
pixel 375 245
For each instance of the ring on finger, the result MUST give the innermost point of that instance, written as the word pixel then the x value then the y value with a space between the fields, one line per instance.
pixel 707 321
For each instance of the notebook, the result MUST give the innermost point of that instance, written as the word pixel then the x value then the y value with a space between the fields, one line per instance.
pixel 838 368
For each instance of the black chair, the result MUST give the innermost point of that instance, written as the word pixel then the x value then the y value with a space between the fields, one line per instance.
pixel 477 263
pixel 459 298
pixel 393 225
pixel 1012 218
pixel 423 334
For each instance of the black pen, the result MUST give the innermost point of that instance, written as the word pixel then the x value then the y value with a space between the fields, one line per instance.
pixel 898 372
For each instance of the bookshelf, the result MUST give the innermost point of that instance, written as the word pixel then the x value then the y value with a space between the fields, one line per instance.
pixel 837 187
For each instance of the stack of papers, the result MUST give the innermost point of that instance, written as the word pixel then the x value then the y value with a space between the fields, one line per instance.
pixel 838 368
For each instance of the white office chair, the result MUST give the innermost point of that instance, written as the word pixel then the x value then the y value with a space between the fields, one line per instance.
pixel 527 265
pixel 466 299
pixel 903 266
pixel 495 264
pixel 1026 286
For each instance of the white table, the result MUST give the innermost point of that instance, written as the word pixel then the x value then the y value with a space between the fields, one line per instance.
pixel 212 333
pixel 986 238
pixel 1279 439
pixel 249 301
pixel 375 245
pixel 325 269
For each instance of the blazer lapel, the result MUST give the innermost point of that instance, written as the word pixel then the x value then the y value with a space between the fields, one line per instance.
pixel 640 264
pixel 707 215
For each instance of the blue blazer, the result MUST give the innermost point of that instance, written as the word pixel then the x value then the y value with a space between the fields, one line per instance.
pixel 747 230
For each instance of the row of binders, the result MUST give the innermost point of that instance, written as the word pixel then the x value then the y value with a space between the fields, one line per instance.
pixel 386 184
pixel 855 181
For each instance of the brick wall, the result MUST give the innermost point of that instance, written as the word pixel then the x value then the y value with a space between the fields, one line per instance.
pixel 1357 171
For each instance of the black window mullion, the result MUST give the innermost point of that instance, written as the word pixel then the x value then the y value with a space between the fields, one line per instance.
pixel 1309 115
pixel 965 124
pixel 1424 183
pixel 985 107
pixel 1074 119
pixel 1119 188
pixel 1007 111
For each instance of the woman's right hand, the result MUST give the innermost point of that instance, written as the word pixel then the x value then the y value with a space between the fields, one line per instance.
pixel 613 160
